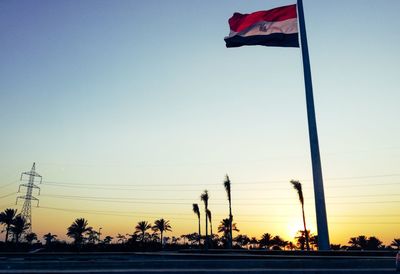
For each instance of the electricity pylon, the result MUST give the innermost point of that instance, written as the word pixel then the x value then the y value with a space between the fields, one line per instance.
pixel 26 211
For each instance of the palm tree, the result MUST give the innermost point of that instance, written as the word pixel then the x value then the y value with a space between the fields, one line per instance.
pixel 93 236
pixel 301 239
pixel 107 240
pixel 396 243
pixel 49 238
pixel 204 197
pixel 7 218
pixel 193 237
pixel 278 243
pixel 161 225
pixel 242 240
pixel 290 245
pixel 175 240
pixel 227 185
pixel 196 211
pixel 19 226
pixel 266 240
pixel 141 228
pixel 297 186
pixel 77 229
pixel 30 237
pixel 133 238
pixel 360 242
pixel 225 228
pixel 253 242
pixel 336 247
pixel 121 238
pixel 374 243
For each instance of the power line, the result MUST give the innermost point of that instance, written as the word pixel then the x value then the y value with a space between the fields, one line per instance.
pixel 7 206
pixel 8 195
pixel 219 184
pixel 249 215
pixel 9 184
pixel 177 218
pixel 185 203
pixel 186 199
pixel 200 187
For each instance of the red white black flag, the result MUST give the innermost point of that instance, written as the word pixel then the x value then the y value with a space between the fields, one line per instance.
pixel 276 27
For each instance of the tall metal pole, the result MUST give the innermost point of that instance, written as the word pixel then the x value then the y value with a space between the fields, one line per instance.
pixel 322 222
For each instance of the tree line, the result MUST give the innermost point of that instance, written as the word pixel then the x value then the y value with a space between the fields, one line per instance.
pixel 147 235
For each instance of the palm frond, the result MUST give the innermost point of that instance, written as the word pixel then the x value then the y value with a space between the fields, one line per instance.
pixel 196 210
pixel 227 185
pixel 297 186
pixel 204 197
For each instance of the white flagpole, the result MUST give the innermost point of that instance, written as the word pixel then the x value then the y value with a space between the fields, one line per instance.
pixel 322 222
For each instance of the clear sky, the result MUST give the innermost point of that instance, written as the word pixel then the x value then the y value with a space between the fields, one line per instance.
pixel 141 101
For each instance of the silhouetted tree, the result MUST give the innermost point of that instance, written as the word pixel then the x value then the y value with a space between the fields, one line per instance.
pixel 93 236
pixel 204 197
pixel 19 226
pixel 161 225
pixel 253 242
pixel 184 237
pixel 297 186
pixel 6 219
pixel 313 241
pixel 227 186
pixel 49 238
pixel 266 241
pixel 396 243
pixel 30 237
pixel 121 238
pixel 242 240
pixel 374 243
pixel 77 229
pixel 133 238
pixel 107 240
pixel 278 243
pixel 175 240
pixel 193 237
pixel 225 227
pixel 360 242
pixel 141 228
pixel 290 246
pixel 301 239
pixel 196 211
pixel 336 246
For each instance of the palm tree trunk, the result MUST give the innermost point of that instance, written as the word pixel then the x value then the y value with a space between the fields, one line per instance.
pixel 230 224
pixel 211 233
pixel 305 228
pixel 199 233
pixel 206 242
pixel 161 240
pixel 7 232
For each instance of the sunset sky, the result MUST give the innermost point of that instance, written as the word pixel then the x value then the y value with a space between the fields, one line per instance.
pixel 131 109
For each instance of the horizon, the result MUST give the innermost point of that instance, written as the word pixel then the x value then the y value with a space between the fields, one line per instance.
pixel 130 117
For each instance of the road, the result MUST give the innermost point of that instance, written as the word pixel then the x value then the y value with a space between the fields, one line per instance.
pixel 169 262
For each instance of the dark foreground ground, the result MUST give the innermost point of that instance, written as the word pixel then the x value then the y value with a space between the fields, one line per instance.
pixel 173 262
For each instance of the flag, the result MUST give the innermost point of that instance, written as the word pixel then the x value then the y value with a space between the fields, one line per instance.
pixel 276 27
